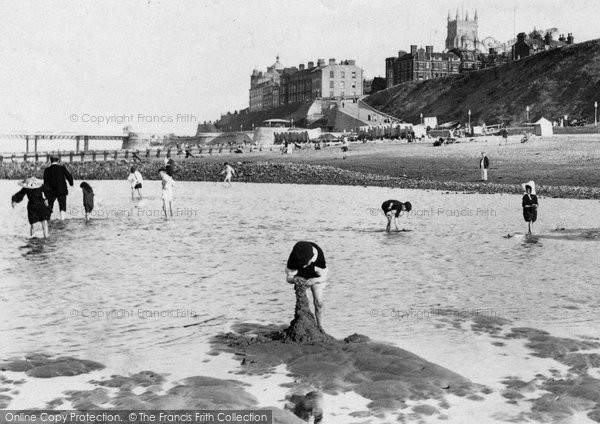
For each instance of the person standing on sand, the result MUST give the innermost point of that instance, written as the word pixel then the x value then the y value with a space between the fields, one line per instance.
pixel 37 208
pixel 484 164
pixel 504 134
pixel 393 208
pixel 345 146
pixel 167 191
pixel 530 204
pixel 136 180
pixel 55 180
pixel 306 265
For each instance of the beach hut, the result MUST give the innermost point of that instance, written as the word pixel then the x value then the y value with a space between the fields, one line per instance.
pixel 543 127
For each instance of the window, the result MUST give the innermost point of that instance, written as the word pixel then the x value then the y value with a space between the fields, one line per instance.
pixel 353 74
pixel 331 74
pixel 343 74
pixel 342 84
pixel 331 94
pixel 330 84
pixel 353 84
pixel 342 94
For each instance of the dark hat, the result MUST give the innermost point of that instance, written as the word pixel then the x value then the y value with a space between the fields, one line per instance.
pixel 302 252
pixel 407 206
pixel 53 158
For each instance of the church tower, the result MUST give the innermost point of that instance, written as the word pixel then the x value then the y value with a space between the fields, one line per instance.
pixel 462 32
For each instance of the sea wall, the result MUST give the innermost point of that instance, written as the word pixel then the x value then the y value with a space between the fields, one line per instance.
pixel 284 173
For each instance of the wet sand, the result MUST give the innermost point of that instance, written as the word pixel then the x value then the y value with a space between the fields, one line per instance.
pixel 397 384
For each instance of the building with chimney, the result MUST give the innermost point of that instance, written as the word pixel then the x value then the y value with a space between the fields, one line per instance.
pixel 462 32
pixel 420 64
pixel 264 87
pixel 327 80
pixel 533 43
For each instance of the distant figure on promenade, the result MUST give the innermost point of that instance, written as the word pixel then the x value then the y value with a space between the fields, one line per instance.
pixel 484 164
pixel 136 180
pixel 504 134
pixel 188 152
pixel 393 209
pixel 306 265
pixel 345 146
pixel 530 204
pixel 167 185
pixel 228 171
pixel 55 180
pixel 88 199
pixel 37 208
pixel 137 157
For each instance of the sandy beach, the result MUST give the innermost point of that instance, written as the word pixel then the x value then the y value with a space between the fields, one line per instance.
pixel 563 166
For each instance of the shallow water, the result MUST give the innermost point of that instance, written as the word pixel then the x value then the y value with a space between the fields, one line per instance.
pixel 124 288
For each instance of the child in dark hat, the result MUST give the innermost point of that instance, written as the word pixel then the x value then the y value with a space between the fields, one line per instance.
pixel 530 204
pixel 88 198
pixel 37 203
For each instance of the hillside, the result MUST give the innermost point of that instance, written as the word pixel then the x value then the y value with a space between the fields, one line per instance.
pixel 554 83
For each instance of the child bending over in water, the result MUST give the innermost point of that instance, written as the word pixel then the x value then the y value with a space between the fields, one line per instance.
pixel 88 198
pixel 393 209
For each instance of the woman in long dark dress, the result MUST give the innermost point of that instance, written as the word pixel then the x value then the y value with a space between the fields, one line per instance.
pixel 530 204
pixel 37 204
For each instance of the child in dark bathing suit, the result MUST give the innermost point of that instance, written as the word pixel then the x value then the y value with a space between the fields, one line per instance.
pixel 393 209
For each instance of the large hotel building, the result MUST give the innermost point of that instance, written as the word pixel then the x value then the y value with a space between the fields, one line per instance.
pixel 279 86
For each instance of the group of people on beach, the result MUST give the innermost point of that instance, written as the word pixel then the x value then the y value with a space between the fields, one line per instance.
pixel 42 194
pixel 306 264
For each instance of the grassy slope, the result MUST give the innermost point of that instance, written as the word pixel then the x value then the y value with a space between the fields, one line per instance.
pixel 295 111
pixel 553 83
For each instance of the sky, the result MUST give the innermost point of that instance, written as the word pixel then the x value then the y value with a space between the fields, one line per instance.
pixel 164 66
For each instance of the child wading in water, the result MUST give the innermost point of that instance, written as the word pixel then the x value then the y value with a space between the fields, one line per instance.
pixel 393 209
pixel 530 204
pixel 167 191
pixel 37 203
pixel 88 198
pixel 136 180
pixel 229 171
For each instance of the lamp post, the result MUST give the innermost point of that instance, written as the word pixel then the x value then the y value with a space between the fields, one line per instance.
pixel 595 113
pixel 527 110
pixel 469 120
pixel 421 118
